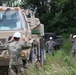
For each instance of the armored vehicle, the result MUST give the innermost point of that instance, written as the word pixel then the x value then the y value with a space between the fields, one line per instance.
pixel 14 19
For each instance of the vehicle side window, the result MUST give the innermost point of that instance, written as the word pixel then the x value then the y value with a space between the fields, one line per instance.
pixel 26 25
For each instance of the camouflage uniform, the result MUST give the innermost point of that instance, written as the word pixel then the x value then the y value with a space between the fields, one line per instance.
pixel 15 65
pixel 50 44
pixel 74 47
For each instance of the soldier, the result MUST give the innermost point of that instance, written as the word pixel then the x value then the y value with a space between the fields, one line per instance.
pixel 50 45
pixel 15 48
pixel 74 44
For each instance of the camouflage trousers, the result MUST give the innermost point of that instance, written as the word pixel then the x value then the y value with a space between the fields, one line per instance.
pixel 51 51
pixel 73 52
pixel 16 70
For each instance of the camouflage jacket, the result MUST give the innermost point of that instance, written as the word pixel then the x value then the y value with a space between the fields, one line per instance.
pixel 15 49
pixel 74 44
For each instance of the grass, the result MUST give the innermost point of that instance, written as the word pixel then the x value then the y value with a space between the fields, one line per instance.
pixel 61 64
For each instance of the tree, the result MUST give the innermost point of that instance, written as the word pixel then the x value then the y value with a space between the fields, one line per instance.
pixel 0 2
pixel 62 17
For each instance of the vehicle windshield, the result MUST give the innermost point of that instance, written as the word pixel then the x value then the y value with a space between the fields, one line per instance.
pixel 10 20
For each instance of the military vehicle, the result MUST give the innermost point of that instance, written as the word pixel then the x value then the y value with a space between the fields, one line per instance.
pixel 14 19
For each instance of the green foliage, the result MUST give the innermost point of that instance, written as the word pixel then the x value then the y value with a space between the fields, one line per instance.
pixel 0 2
pixel 63 18
pixel 67 46
pixel 60 64
pixel 67 60
pixel 23 5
